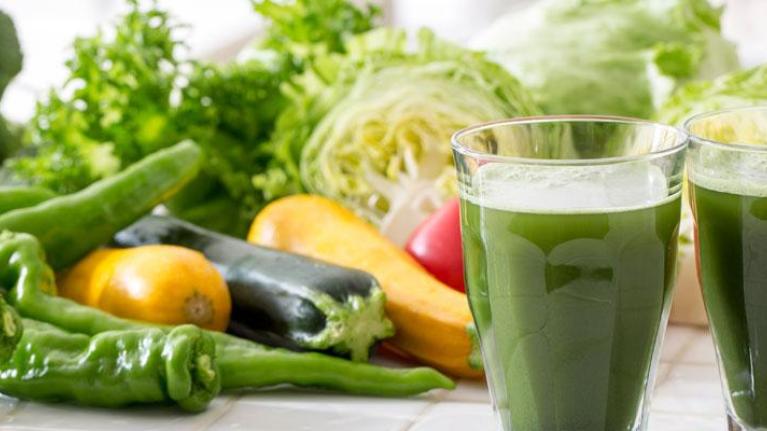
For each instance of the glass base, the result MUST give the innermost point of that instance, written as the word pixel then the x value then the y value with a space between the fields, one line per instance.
pixel 733 425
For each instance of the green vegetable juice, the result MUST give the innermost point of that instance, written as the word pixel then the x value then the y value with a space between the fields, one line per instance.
pixel 569 307
pixel 731 229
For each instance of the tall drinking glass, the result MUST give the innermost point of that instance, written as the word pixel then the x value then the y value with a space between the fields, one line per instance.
pixel 728 184
pixel 569 231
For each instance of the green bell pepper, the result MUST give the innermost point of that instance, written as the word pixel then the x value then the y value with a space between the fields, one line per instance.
pixel 110 369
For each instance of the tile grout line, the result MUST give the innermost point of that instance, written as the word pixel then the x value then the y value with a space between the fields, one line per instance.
pixel 685 342
pixel 220 413
pixel 696 415
pixel 677 360
pixel 34 428
pixel 429 407
pixel 422 414
pixel 471 402
pixel 661 377
pixel 674 361
pixel 17 408
pixel 699 364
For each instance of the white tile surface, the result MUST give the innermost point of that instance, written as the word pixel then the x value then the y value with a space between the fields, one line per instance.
pixel 679 422
pixel 447 416
pixel 687 398
pixel 700 351
pixel 317 411
pixel 690 389
pixel 677 341
pixel 662 373
pixel 7 406
pixel 338 405
pixel 64 417
pixel 469 391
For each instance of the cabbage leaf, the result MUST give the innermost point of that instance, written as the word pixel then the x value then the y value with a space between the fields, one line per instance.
pixel 738 89
pixel 619 57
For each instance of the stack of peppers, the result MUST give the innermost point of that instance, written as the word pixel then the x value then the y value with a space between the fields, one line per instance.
pixel 59 350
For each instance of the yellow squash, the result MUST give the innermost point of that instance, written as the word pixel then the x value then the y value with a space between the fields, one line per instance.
pixel 431 319
pixel 155 283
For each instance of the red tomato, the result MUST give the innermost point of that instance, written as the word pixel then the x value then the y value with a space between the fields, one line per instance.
pixel 436 244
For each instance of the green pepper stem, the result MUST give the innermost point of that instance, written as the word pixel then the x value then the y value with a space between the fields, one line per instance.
pixel 193 378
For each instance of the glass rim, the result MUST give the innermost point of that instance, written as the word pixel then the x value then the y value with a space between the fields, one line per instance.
pixel 735 146
pixel 681 144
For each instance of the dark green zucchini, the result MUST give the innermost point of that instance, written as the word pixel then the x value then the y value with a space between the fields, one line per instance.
pixel 278 298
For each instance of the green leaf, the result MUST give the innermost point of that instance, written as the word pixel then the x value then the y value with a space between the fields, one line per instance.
pixel 113 109
pixel 301 26
pixel 620 57
pixel 738 89
pixel 131 91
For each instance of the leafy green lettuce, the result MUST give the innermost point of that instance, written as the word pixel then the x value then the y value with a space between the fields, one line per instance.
pixel 113 109
pixel 303 28
pixel 132 91
pixel 620 57
pixel 372 128
pixel 738 89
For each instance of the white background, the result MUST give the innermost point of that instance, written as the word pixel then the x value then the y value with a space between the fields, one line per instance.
pixel 219 28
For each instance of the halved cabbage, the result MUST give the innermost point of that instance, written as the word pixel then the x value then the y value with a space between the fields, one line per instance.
pixel 372 128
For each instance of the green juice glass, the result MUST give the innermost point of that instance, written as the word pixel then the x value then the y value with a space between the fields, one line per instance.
pixel 569 229
pixel 727 171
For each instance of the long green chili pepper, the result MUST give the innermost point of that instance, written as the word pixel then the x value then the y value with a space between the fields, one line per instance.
pixel 15 197
pixel 70 226
pixel 242 363
pixel 252 367
pixel 110 369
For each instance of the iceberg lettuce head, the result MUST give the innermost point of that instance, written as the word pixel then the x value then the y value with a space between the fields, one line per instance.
pixel 619 57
